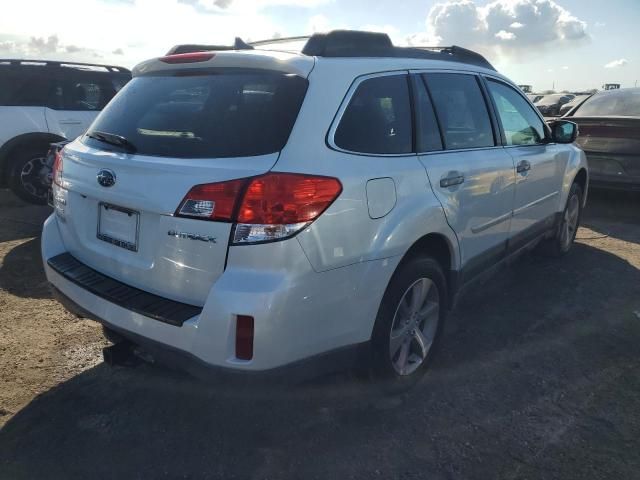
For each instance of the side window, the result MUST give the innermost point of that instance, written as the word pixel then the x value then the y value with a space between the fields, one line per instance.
pixel 33 91
pixel 427 131
pixel 88 95
pixel 520 123
pixel 461 110
pixel 378 118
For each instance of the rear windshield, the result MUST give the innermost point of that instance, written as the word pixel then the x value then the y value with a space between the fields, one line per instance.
pixel 230 114
pixel 621 103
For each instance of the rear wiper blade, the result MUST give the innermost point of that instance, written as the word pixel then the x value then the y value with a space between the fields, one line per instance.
pixel 112 139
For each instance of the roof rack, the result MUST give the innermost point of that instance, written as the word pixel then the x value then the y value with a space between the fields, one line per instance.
pixel 56 63
pixel 353 43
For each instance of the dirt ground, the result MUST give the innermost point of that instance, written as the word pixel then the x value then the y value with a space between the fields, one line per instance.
pixel 538 377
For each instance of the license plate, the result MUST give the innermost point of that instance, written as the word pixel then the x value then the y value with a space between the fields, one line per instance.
pixel 118 226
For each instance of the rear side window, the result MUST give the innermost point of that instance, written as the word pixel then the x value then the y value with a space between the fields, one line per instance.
pixel 378 118
pixel 461 110
pixel 521 125
pixel 89 94
pixel 25 89
pixel 205 115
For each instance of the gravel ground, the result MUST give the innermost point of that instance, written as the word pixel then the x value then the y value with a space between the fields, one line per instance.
pixel 537 378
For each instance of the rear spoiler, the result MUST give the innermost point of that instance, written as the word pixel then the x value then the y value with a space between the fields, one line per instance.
pixel 238 44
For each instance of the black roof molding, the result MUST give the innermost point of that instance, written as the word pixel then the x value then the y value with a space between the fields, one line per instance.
pixel 54 63
pixel 238 44
pixel 348 43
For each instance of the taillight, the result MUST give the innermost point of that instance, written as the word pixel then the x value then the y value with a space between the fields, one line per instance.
pixel 191 57
pixel 212 201
pixel 270 207
pixel 56 171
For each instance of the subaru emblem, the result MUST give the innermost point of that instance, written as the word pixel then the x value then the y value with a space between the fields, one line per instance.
pixel 106 178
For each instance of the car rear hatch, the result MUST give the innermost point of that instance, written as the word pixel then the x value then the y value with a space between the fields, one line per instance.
pixel 174 126
pixel 612 145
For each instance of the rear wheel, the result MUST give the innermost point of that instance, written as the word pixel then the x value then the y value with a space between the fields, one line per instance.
pixel 409 321
pixel 29 174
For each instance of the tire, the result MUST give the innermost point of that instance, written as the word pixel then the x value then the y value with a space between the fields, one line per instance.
pixel 28 174
pixel 567 229
pixel 405 336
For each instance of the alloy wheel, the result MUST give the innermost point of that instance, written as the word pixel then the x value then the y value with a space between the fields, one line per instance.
pixel 414 326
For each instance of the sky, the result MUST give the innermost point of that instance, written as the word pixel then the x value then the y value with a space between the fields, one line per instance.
pixel 561 44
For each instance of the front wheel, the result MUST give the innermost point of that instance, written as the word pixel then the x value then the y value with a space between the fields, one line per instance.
pixel 565 235
pixel 409 320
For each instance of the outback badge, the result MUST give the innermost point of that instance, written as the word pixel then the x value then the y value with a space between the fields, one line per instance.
pixel 192 236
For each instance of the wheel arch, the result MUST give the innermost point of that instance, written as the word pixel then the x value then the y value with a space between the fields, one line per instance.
pixel 439 247
pixel 20 141
pixel 582 179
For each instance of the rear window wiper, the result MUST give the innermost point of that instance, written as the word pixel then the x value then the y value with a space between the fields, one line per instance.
pixel 112 139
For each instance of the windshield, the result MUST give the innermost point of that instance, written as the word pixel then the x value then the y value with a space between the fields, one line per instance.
pixel 230 114
pixel 624 103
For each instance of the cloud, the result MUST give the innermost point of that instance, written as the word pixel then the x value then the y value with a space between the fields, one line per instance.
pixel 236 6
pixel 318 24
pixel 38 47
pixel 118 51
pixel 617 63
pixel 502 27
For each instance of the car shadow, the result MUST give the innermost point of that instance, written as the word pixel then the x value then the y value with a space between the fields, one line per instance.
pixel 611 213
pixel 22 273
pixel 531 366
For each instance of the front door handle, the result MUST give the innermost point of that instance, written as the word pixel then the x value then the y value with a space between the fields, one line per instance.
pixel 523 166
pixel 452 179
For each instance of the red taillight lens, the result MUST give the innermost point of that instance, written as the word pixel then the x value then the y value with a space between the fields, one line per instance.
pixel 287 198
pixel 244 337
pixel 270 207
pixel 56 171
pixel 192 57
pixel 213 201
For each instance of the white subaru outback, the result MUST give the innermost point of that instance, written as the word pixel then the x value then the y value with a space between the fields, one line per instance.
pixel 253 209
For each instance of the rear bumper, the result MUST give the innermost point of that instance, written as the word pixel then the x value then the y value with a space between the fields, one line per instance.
pixel 318 365
pixel 300 315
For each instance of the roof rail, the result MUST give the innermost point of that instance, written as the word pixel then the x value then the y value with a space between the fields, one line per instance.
pixel 238 44
pixel 58 63
pixel 352 43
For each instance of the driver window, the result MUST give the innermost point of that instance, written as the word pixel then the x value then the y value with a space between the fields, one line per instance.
pixel 520 123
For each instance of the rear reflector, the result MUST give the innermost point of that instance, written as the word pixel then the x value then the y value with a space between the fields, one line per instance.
pixel 269 207
pixel 192 57
pixel 244 337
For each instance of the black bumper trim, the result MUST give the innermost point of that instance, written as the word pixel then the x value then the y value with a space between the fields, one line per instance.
pixel 131 298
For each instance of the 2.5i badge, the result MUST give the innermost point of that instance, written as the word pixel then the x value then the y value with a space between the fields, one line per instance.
pixel 192 236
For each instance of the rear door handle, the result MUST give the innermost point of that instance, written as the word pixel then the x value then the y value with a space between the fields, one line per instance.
pixel 523 166
pixel 452 179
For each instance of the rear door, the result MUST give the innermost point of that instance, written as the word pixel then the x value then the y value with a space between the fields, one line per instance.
pixel 473 177
pixel 119 214
pixel 540 166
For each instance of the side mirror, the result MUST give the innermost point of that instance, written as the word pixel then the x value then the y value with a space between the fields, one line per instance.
pixel 563 131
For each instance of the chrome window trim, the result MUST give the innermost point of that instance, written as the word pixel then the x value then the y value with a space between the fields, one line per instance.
pixel 345 103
